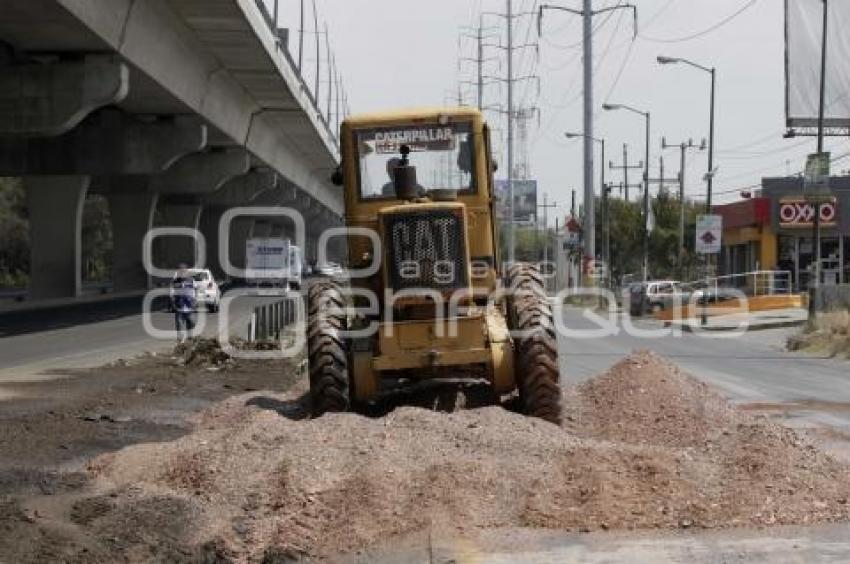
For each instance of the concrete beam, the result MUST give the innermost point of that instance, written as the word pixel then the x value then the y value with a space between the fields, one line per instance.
pixel 203 173
pixel 242 190
pixel 55 206
pixel 132 217
pixel 108 143
pixel 43 100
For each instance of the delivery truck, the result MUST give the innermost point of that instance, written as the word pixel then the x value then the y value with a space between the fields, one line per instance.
pixel 273 262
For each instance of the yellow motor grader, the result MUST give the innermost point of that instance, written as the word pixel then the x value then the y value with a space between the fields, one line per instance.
pixel 428 299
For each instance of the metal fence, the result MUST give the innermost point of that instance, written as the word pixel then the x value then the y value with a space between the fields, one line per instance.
pixel 268 321
pixel 758 283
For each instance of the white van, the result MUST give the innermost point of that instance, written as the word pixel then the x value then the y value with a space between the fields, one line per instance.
pixel 273 262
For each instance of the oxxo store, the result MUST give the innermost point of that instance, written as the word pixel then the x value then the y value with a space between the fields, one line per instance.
pixel 775 232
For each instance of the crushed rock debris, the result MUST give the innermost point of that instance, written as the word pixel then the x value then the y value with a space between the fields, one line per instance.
pixel 646 447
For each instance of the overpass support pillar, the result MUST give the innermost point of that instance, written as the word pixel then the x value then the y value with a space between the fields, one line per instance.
pixel 132 217
pixel 56 219
pixel 210 219
pixel 262 229
pixel 177 250
pixel 240 231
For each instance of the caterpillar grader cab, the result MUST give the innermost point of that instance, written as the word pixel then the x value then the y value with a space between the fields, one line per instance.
pixel 428 301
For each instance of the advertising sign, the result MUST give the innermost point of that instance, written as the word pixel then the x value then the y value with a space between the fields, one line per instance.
pixel 709 234
pixel 525 201
pixel 816 178
pixel 803 45
pixel 800 213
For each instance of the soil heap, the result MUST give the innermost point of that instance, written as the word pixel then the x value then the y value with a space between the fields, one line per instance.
pixel 646 447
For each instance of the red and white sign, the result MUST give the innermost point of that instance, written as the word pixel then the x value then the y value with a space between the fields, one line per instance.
pixel 573 232
pixel 709 234
pixel 800 213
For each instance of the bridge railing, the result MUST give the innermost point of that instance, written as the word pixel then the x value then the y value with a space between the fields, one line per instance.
pixel 269 320
pixel 283 47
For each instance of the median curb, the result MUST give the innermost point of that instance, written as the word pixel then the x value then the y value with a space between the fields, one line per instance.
pixel 689 328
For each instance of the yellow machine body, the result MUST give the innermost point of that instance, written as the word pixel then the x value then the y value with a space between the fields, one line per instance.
pixel 419 335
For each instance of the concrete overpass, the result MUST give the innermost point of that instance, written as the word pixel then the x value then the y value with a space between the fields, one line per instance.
pixel 174 110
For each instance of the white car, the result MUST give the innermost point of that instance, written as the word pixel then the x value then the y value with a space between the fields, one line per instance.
pixel 207 291
pixel 329 270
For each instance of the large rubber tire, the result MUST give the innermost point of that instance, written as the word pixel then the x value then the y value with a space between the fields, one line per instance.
pixel 536 349
pixel 326 349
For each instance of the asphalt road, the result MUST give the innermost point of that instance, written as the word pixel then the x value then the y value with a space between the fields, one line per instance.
pixel 89 335
pixel 752 368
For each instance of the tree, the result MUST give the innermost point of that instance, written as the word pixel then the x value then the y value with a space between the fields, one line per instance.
pixel 14 234
pixel 627 238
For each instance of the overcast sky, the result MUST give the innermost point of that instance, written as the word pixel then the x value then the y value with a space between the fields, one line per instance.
pixel 401 53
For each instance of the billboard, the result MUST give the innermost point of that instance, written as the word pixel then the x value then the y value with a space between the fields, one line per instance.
pixel 525 200
pixel 803 34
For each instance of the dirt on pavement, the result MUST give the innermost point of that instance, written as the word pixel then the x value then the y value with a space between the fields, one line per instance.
pixel 198 458
pixel 645 447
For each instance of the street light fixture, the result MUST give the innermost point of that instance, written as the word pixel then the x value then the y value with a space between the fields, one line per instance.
pixel 709 177
pixel 646 115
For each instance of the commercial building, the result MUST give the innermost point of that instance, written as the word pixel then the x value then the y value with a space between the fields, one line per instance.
pixel 774 231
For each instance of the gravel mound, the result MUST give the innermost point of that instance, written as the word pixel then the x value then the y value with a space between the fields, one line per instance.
pixel 647 448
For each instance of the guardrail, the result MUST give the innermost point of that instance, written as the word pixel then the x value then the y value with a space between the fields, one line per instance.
pixel 269 320
pixel 752 284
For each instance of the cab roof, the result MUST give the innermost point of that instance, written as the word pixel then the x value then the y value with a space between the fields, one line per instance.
pixel 427 114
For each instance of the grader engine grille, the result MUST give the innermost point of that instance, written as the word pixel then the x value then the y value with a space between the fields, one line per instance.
pixel 426 250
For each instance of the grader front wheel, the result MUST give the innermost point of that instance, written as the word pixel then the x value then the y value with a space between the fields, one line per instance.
pixel 535 345
pixel 327 358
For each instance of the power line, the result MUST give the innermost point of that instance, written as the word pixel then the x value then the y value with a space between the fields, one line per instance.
pixel 704 32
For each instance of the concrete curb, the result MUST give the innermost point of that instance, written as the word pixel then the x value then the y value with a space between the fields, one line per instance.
pixel 687 328
pixel 23 307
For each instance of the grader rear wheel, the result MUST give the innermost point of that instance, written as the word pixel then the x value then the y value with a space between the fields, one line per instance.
pixel 327 358
pixel 536 347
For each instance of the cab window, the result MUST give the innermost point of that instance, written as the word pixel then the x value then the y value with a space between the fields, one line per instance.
pixel 442 154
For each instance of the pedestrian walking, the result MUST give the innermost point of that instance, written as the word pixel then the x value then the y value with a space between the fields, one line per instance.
pixel 184 304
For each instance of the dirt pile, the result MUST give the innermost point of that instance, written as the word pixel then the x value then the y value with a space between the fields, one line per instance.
pixel 830 334
pixel 646 400
pixel 208 353
pixel 648 447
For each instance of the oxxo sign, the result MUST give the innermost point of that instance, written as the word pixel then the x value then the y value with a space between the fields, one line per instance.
pixel 800 213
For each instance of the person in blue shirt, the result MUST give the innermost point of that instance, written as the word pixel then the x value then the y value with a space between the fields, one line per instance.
pixel 184 305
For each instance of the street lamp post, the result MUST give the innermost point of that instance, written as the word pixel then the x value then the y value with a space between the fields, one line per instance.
pixel 819 196
pixel 646 116
pixel 606 250
pixel 709 177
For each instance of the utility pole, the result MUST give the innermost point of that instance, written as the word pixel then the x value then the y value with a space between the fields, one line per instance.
pixel 511 216
pixel 625 167
pixel 481 34
pixel 683 148
pixel 587 13
pixel 481 64
pixel 546 205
